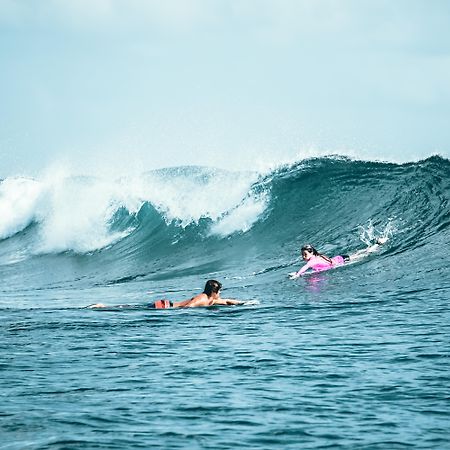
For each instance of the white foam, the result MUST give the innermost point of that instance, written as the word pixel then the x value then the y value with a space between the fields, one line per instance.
pixel 242 217
pixel 369 234
pixel 188 196
pixel 18 199
pixel 74 213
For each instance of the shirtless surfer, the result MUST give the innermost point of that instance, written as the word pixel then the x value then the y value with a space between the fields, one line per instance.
pixel 209 297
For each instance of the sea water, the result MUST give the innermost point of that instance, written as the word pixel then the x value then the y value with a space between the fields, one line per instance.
pixel 355 357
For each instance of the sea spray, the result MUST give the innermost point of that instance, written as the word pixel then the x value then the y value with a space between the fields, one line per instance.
pixel 186 195
pixel 18 201
pixel 369 233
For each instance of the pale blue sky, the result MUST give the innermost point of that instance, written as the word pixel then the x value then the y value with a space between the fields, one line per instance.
pixel 135 84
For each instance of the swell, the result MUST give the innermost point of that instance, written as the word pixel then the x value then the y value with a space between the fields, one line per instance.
pixel 326 200
pixel 333 203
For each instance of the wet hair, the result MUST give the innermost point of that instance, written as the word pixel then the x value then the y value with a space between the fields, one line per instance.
pixel 311 249
pixel 212 287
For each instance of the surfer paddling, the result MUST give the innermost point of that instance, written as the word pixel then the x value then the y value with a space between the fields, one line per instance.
pixel 318 262
pixel 209 297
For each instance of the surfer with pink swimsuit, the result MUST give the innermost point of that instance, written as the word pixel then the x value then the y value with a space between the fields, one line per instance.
pixel 318 262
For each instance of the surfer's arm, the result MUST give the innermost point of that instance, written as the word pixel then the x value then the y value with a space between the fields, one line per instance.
pixel 227 301
pixel 303 269
pixel 300 272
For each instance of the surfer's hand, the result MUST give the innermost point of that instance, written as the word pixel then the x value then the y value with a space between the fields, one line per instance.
pixel 250 302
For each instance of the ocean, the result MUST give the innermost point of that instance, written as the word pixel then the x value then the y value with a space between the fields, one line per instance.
pixel 357 357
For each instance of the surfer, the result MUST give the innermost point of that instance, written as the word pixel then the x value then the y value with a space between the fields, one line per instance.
pixel 318 262
pixel 209 297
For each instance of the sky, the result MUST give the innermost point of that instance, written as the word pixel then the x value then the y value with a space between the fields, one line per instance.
pixel 130 85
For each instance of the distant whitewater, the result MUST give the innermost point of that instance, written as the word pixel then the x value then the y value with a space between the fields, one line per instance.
pixel 166 223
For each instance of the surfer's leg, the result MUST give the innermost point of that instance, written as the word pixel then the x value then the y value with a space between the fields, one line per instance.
pixel 367 251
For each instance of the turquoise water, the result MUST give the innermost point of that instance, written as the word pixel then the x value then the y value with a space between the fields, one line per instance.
pixel 356 357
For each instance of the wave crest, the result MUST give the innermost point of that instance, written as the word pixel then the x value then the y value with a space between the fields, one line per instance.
pixel 84 214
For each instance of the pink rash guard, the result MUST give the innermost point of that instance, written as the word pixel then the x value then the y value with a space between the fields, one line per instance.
pixel 319 264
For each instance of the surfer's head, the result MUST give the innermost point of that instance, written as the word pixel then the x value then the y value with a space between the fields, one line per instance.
pixel 308 251
pixel 212 287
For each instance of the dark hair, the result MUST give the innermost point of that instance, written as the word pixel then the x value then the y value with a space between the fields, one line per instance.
pixel 212 287
pixel 310 248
